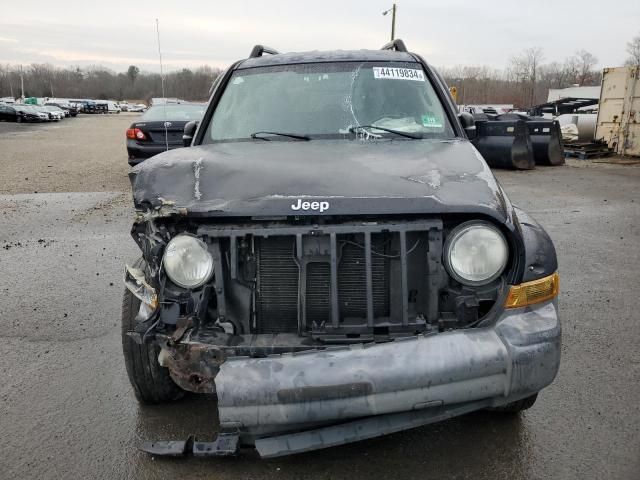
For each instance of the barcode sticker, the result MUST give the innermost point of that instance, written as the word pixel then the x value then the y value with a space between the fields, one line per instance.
pixel 398 73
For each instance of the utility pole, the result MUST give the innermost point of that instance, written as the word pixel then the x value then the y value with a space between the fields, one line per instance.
pixel 533 82
pixel 393 20
pixel 393 23
pixel 22 82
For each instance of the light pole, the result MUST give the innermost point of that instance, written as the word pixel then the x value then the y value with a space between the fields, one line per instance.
pixel 393 20
pixel 22 82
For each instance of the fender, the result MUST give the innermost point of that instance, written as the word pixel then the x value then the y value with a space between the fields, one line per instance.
pixel 539 253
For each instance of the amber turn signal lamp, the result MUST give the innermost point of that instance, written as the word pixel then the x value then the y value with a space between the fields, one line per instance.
pixel 536 291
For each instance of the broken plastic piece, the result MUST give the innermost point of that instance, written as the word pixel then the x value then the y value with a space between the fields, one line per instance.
pixel 136 283
pixel 225 445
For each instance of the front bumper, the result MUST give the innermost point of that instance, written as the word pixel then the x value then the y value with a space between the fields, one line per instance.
pixel 375 388
pixel 495 365
pixel 293 402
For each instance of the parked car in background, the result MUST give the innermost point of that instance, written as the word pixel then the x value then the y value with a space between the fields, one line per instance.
pixel 69 109
pixel 90 106
pixel 54 115
pixel 138 107
pixel 160 129
pixel 124 106
pixel 79 105
pixel 166 100
pixel 112 107
pixel 49 117
pixel 58 113
pixel 29 113
pixel 100 107
pixel 8 113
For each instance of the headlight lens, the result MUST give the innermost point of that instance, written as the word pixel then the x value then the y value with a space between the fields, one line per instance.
pixel 475 253
pixel 187 261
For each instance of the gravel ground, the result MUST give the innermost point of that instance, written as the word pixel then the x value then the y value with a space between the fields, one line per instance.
pixel 67 410
pixel 82 154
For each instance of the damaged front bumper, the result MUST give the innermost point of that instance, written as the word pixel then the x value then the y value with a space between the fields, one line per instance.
pixel 347 393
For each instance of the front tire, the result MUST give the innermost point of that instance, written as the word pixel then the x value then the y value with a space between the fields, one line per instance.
pixel 151 382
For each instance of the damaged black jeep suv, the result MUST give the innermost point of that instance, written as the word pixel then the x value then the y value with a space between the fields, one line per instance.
pixel 333 258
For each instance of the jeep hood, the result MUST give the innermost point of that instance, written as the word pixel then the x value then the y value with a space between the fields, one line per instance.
pixel 265 178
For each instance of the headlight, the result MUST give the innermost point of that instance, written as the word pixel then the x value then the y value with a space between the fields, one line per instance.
pixel 475 253
pixel 187 261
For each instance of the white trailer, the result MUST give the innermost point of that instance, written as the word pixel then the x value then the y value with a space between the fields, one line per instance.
pixel 618 121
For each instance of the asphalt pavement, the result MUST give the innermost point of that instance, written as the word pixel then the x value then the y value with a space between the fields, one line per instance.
pixel 67 410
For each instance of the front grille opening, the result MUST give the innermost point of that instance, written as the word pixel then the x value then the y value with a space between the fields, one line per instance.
pixel 294 288
pixel 318 292
pixel 352 276
pixel 277 295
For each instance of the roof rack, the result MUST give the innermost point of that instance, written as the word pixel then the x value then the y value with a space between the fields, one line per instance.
pixel 258 50
pixel 397 45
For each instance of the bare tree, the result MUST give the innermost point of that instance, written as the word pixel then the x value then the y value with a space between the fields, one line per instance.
pixel 585 62
pixel 633 49
pixel 525 69
pixel 554 75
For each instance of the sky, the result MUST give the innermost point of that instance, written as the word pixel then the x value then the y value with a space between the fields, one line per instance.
pixel 116 33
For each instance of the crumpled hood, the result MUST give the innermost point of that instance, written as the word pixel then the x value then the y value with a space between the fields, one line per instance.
pixel 271 178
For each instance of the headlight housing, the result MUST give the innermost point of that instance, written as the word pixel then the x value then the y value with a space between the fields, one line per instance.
pixel 187 261
pixel 475 253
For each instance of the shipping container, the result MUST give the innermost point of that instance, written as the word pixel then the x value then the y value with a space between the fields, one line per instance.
pixel 619 110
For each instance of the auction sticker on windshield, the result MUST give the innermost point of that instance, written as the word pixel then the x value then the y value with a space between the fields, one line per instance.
pixel 398 73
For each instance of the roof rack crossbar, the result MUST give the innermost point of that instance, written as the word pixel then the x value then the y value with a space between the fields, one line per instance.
pixel 397 45
pixel 258 50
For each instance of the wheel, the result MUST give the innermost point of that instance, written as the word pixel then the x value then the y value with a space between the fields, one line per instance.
pixel 19 119
pixel 518 406
pixel 151 382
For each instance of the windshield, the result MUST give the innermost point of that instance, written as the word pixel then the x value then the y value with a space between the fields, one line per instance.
pixel 175 112
pixel 329 100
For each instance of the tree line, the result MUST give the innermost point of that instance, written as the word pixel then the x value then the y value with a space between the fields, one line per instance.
pixel 97 82
pixel 527 79
pixel 524 82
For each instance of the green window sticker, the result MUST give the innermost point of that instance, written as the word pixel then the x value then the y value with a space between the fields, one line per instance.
pixel 431 121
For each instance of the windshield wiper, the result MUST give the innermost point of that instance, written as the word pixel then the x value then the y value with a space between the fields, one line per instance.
pixel 397 132
pixel 254 135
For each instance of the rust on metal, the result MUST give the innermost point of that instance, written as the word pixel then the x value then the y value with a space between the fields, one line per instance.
pixel 192 366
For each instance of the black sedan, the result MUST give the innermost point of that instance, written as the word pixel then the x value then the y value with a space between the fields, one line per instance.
pixel 20 113
pixel 160 129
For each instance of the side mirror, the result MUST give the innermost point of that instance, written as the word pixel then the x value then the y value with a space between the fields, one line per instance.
pixel 189 131
pixel 468 123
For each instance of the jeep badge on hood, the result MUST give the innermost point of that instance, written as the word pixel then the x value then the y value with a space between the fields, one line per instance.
pixel 318 206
